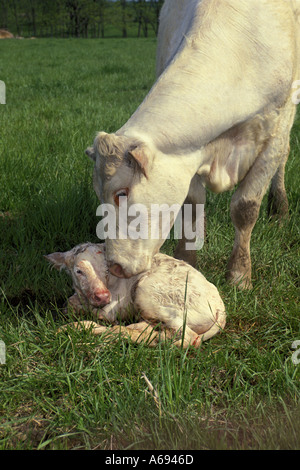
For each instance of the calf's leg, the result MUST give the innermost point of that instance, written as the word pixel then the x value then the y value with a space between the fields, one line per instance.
pixel 147 333
pixel 137 332
pixel 75 303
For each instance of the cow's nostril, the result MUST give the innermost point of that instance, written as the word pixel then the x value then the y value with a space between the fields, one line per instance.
pixel 117 270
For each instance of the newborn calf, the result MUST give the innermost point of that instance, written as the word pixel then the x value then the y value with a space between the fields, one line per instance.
pixel 171 293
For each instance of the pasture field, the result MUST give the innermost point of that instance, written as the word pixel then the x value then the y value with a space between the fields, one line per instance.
pixel 240 390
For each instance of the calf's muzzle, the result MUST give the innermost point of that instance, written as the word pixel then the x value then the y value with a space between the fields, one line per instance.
pixel 100 297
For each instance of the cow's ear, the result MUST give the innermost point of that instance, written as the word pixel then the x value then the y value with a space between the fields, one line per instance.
pixel 90 152
pixel 58 260
pixel 141 158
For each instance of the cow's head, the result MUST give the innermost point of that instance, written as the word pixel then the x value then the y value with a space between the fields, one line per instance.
pixel 133 173
pixel 87 266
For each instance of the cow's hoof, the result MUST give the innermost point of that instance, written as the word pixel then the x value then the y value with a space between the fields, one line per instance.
pixel 240 280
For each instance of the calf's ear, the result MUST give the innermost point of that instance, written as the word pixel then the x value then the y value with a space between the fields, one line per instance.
pixel 58 260
pixel 140 157
pixel 90 152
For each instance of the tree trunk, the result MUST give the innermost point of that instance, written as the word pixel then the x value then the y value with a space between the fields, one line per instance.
pixel 3 16
pixel 124 25
pixel 33 20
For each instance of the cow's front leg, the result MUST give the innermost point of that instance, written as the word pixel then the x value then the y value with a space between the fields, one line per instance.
pixel 193 221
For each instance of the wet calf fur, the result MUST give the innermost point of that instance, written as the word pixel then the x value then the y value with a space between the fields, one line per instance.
pixel 171 294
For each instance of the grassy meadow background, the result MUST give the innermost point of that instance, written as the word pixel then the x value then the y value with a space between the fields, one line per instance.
pixel 240 390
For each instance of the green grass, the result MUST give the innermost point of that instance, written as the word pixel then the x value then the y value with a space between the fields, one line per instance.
pixel 240 390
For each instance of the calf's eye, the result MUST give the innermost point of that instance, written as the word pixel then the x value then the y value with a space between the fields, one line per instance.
pixel 78 271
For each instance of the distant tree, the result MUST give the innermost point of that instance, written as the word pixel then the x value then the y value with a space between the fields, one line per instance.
pixel 4 14
pixel 31 11
pixel 52 16
pixel 101 16
pixel 79 12
pixel 79 18
pixel 120 15
pixel 139 11
pixel 124 18
pixel 14 8
pixel 156 7
pixel 147 14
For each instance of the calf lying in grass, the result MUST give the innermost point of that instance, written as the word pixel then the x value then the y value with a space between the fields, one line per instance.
pixel 171 294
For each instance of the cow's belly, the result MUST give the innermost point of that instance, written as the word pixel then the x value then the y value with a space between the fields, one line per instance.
pixel 227 160
pixel 217 178
pixel 222 174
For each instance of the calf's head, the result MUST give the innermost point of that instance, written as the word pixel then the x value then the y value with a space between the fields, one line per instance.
pixel 87 266
pixel 132 177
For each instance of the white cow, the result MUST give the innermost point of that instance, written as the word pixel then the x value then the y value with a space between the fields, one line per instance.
pixel 219 114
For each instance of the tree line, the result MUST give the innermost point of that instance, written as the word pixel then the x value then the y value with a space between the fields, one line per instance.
pixel 80 18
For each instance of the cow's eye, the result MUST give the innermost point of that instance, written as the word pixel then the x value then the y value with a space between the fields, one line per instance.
pixel 120 193
pixel 78 271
